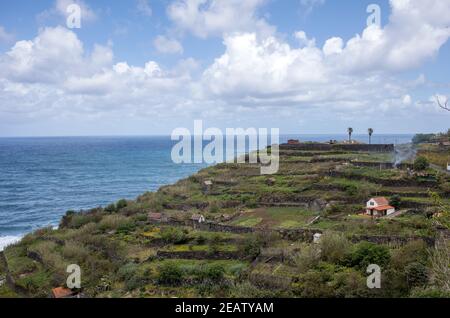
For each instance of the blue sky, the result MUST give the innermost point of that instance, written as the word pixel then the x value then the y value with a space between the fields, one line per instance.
pixel 141 67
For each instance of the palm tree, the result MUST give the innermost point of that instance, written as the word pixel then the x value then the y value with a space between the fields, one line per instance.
pixel 350 132
pixel 370 131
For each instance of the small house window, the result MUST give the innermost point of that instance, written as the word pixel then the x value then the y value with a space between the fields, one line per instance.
pixel 372 203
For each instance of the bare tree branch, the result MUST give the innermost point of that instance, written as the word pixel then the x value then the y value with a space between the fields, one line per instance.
pixel 443 106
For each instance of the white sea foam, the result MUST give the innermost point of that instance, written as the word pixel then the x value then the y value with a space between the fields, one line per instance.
pixel 8 240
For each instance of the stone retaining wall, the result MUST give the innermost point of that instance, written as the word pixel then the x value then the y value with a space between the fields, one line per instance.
pixel 384 182
pixel 300 234
pixel 201 255
pixel 395 240
pixel 343 147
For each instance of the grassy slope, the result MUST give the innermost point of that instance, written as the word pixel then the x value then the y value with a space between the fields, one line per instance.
pixel 117 250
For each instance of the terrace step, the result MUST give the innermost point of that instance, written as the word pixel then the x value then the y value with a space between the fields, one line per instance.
pixel 201 255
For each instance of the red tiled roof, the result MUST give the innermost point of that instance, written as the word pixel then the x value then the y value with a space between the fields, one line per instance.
pixel 383 208
pixel 381 201
pixel 61 292
pixel 155 216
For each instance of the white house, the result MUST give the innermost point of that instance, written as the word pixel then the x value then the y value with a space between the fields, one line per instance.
pixel 379 207
pixel 316 238
pixel 448 166
pixel 198 218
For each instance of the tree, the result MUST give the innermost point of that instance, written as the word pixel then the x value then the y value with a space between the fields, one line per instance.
pixel 395 201
pixel 368 253
pixel 443 106
pixel 421 163
pixel 350 132
pixel 370 131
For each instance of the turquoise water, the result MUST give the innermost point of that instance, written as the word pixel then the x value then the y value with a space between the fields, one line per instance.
pixel 42 178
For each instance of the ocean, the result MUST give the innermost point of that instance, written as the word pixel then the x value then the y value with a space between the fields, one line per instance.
pixel 43 177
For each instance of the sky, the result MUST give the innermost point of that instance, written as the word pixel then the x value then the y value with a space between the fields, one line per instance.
pixel 147 67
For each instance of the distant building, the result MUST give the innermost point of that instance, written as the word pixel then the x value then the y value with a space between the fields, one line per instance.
pixel 316 238
pixel 448 166
pixel 207 186
pixel 293 142
pixel 198 218
pixel 157 217
pixel 379 207
pixel 208 183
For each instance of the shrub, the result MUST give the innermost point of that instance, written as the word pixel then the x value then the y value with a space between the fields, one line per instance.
pixel 334 247
pixel 174 235
pixel 127 271
pixel 111 208
pixel 80 219
pixel 350 283
pixel 135 282
pixel 170 274
pixel 367 253
pixel 416 275
pixel 214 273
pixel 200 239
pixel 251 247
pixel 421 163
pixel 395 201
pixel 423 138
pixel 112 222
pixel 214 207
pixel 351 190
pixel 74 252
pixel 430 293
pixel 307 258
pixel 121 204
pixel 415 251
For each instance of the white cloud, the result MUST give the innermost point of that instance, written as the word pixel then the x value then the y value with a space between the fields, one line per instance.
pixel 258 74
pixel 263 67
pixel 5 36
pixel 267 70
pixel 310 5
pixel 52 76
pixel 206 18
pixel 53 54
pixel 165 45
pixel 144 7
pixel 333 46
pixel 304 40
pixel 415 32
pixel 407 100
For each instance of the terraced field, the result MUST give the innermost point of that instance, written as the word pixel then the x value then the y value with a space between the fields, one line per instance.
pixel 258 237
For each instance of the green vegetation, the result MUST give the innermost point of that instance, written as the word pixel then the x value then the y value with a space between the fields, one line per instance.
pixel 421 164
pixel 261 242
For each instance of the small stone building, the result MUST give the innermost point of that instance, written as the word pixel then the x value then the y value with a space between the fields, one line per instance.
pixel 157 217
